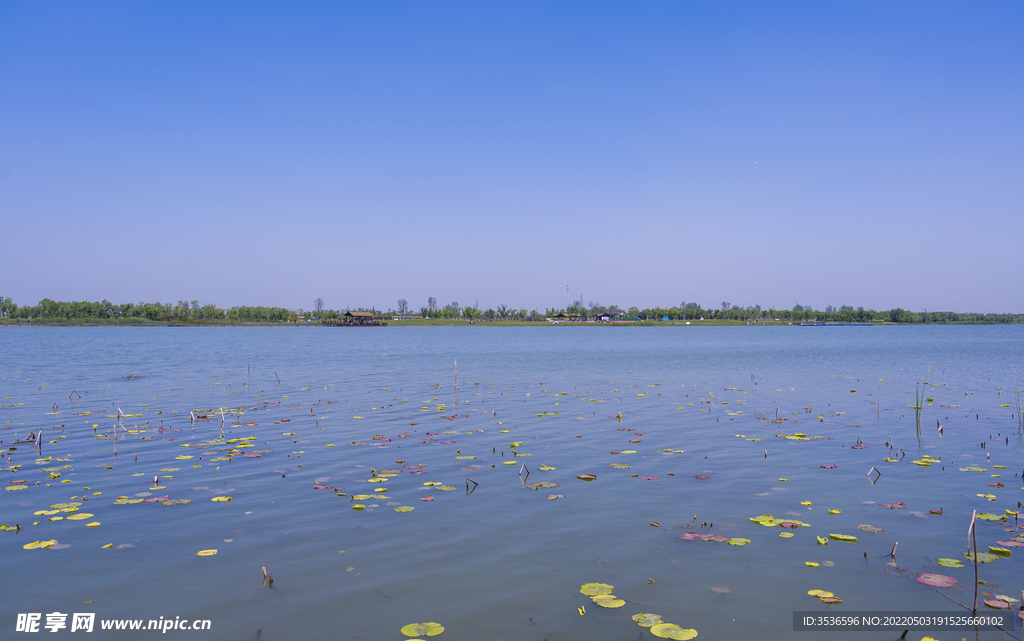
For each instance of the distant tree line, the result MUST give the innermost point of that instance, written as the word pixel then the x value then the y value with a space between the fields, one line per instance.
pixel 182 311
pixel 191 311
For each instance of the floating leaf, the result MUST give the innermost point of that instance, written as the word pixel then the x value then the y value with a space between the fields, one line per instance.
pixel 542 485
pixel 786 535
pixel 937 580
pixel 997 604
pixel 620 466
pixel 673 631
pixel 81 516
pixel 835 511
pixel 646 619
pixel 553 497
pixel 822 540
pixel 983 557
pixel 998 551
pixel 206 552
pixel 586 477
pixel 820 593
pixel 404 508
pixel 736 541
pixel 870 528
pixel 591 589
pixel 843 537
pixel 422 629
pixel 951 563
pixel 608 601
pixel 221 499
pixel 811 564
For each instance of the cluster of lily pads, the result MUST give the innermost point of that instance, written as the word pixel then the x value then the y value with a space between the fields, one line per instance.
pixel 601 594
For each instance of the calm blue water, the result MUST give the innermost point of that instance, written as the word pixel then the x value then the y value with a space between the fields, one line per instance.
pixel 504 562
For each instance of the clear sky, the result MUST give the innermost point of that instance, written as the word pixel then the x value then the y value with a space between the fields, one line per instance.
pixel 821 153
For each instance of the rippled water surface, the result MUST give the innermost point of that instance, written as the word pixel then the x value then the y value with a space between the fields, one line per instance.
pixel 505 561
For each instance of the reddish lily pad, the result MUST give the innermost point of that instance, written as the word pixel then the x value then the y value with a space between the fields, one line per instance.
pixel 937 580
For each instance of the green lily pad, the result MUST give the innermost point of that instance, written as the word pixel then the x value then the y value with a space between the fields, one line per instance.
pixel 988 516
pixel 843 537
pixel 735 541
pixel 951 563
pixel 591 589
pixel 608 601
pixel 646 619
pixel 983 557
pixel 404 508
pixel 998 551
pixel 542 484
pixel 620 466
pixel 673 631
pixel 422 629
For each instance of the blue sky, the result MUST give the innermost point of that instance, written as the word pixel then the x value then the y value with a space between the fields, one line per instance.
pixel 642 153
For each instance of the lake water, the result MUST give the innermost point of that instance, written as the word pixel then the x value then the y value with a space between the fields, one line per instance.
pixel 505 561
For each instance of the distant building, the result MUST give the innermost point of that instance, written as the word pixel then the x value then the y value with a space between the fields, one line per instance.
pixel 610 316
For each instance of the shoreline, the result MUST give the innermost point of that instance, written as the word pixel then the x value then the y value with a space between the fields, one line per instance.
pixel 461 323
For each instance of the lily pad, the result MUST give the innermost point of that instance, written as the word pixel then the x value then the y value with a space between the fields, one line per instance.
pixel 820 593
pixel 736 541
pixel 983 557
pixel 937 580
pixel 586 477
pixel 988 516
pixel 206 552
pixel 404 508
pixel 951 563
pixel 81 516
pixel 843 537
pixel 422 629
pixel 621 466
pixel 998 551
pixel 592 589
pixel 673 631
pixel 870 528
pixel 646 619
pixel 608 601
pixel 997 604
pixel 542 484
